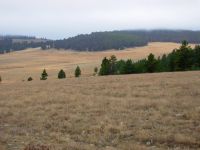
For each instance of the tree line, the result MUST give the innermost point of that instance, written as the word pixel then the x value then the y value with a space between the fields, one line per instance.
pixel 99 41
pixel 16 43
pixel 184 58
pixel 119 40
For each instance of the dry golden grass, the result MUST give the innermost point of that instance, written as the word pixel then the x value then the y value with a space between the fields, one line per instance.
pixel 147 111
pixel 18 66
pixel 130 112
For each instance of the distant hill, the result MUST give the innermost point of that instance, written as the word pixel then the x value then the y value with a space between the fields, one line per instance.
pixel 98 41
pixel 13 43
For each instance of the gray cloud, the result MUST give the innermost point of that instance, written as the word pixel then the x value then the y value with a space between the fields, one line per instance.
pixel 64 18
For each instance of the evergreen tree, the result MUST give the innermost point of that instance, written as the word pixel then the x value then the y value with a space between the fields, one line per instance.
pixel 44 75
pixel 129 67
pixel 105 67
pixel 121 67
pixel 77 71
pixel 0 79
pixel 183 54
pixel 197 56
pixel 61 74
pixel 112 66
pixel 151 63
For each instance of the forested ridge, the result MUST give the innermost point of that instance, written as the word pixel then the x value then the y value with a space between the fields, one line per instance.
pixel 98 41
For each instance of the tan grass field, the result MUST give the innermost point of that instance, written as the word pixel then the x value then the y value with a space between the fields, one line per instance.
pixel 18 66
pixel 130 112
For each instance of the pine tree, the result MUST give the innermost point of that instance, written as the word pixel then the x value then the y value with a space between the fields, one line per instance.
pixel 129 67
pixel 105 67
pixel 0 79
pixel 112 66
pixel 151 63
pixel 44 75
pixel 61 74
pixel 77 71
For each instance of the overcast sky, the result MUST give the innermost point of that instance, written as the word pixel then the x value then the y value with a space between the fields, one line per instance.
pixel 57 19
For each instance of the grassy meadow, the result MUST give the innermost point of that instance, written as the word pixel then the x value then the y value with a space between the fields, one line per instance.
pixel 130 112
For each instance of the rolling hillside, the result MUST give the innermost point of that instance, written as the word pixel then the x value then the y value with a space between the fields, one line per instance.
pixel 18 66
pixel 99 41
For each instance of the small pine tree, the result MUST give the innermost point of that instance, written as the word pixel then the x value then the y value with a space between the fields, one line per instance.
pixel 77 71
pixel 61 74
pixel 44 75
pixel 30 79
pixel 0 79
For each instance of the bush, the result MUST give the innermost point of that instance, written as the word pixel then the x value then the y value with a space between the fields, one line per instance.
pixel 30 79
pixel 44 75
pixel 77 71
pixel 61 74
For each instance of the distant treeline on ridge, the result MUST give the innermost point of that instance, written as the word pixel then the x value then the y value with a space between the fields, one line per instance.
pixel 99 41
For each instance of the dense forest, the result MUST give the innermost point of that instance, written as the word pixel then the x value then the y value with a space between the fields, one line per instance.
pixel 123 39
pixel 183 59
pixel 99 41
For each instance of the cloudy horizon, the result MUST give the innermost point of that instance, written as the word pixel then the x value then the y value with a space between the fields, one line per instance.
pixel 65 18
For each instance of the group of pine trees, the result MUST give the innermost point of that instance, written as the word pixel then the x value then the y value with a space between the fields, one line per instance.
pixel 183 59
pixel 61 74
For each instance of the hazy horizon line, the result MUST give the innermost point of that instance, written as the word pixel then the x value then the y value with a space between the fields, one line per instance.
pixel 87 33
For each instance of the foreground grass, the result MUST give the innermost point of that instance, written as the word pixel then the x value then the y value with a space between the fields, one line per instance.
pixel 149 111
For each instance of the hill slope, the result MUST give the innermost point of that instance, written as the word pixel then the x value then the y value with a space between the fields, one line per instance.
pixel 148 111
pixel 98 41
pixel 17 66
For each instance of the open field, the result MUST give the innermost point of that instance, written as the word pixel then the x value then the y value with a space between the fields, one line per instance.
pixel 148 111
pixel 129 112
pixel 18 66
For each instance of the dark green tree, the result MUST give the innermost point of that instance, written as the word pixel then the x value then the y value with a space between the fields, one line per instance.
pixel 61 74
pixel 77 71
pixel 197 56
pixel 121 67
pixel 44 75
pixel 112 66
pixel 184 57
pixel 129 67
pixel 105 67
pixel 151 63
